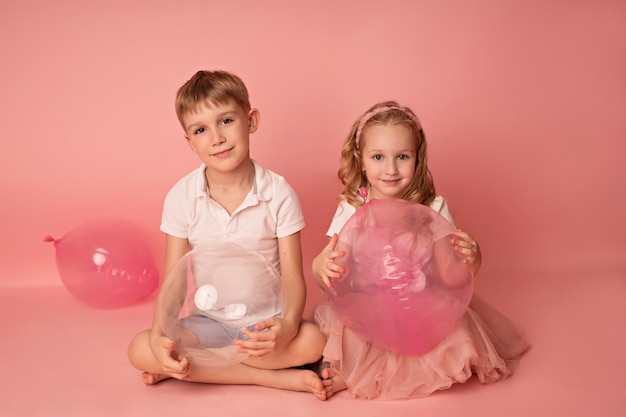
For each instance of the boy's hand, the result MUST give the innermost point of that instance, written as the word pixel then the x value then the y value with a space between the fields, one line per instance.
pixel 324 267
pixel 172 363
pixel 268 337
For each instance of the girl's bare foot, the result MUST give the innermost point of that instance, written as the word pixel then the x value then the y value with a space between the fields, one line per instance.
pixel 151 379
pixel 333 382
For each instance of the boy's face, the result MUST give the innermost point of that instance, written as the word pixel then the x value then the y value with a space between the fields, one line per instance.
pixel 220 134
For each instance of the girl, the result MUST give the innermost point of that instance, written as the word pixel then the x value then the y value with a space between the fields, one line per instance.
pixel 385 157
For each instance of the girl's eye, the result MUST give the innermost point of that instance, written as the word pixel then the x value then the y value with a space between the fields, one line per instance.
pixel 377 157
pixel 403 157
pixel 199 131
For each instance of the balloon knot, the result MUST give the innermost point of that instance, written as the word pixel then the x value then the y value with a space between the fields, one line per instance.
pixel 49 239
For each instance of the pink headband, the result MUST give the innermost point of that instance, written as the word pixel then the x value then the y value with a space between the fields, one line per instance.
pixel 374 112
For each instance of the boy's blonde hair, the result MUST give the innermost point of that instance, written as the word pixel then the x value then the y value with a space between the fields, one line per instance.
pixel 210 87
pixel 421 188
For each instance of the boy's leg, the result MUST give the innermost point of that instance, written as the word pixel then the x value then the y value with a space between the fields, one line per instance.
pixel 276 371
pixel 140 354
pixel 240 374
pixel 306 347
pixel 141 357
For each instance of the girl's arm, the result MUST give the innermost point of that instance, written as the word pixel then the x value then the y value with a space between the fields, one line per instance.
pixel 324 268
pixel 464 244
pixel 448 251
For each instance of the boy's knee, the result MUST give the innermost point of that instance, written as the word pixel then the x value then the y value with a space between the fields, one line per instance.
pixel 315 339
pixel 131 352
pixel 137 346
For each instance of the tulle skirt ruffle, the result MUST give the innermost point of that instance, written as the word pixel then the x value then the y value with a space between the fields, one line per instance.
pixel 483 343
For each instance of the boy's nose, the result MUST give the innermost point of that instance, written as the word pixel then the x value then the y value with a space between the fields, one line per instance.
pixel 217 138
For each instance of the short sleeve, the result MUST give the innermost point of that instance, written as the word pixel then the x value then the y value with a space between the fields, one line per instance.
pixel 344 211
pixel 179 204
pixel 290 218
pixel 440 205
pixel 174 220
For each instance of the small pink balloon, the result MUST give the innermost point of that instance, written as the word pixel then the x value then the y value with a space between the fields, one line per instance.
pixel 106 263
pixel 404 286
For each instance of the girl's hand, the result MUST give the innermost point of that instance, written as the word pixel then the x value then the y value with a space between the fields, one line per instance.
pixel 172 363
pixel 324 267
pixel 465 245
pixel 268 337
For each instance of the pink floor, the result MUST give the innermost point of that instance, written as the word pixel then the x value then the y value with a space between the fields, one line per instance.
pixel 61 358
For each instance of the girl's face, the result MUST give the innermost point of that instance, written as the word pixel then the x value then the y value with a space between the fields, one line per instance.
pixel 389 158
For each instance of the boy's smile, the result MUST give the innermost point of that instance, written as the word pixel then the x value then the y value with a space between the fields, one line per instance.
pixel 223 154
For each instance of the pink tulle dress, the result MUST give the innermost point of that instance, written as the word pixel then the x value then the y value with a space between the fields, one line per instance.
pixel 483 343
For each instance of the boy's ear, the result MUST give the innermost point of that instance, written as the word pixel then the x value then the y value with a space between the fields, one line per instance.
pixel 254 117
pixel 190 143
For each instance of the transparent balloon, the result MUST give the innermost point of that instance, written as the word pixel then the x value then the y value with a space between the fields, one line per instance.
pixel 211 294
pixel 405 287
pixel 106 263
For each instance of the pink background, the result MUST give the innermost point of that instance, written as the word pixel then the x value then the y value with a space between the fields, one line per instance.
pixel 523 104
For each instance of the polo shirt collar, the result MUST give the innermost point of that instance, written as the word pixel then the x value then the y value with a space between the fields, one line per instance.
pixel 261 187
pixel 262 183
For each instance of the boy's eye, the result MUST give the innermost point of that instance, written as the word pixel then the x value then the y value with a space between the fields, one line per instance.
pixel 199 131
pixel 226 121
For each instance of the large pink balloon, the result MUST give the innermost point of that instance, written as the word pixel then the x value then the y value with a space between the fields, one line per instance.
pixel 211 294
pixel 106 263
pixel 404 287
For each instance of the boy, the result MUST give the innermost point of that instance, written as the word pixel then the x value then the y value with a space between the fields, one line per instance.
pixel 233 198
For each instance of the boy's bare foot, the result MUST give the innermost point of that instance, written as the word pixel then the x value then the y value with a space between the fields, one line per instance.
pixel 289 379
pixel 301 380
pixel 333 382
pixel 151 379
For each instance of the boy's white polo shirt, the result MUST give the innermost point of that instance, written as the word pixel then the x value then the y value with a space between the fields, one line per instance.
pixel 270 210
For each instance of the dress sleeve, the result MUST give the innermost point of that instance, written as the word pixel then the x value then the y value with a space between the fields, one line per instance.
pixel 344 211
pixel 440 205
